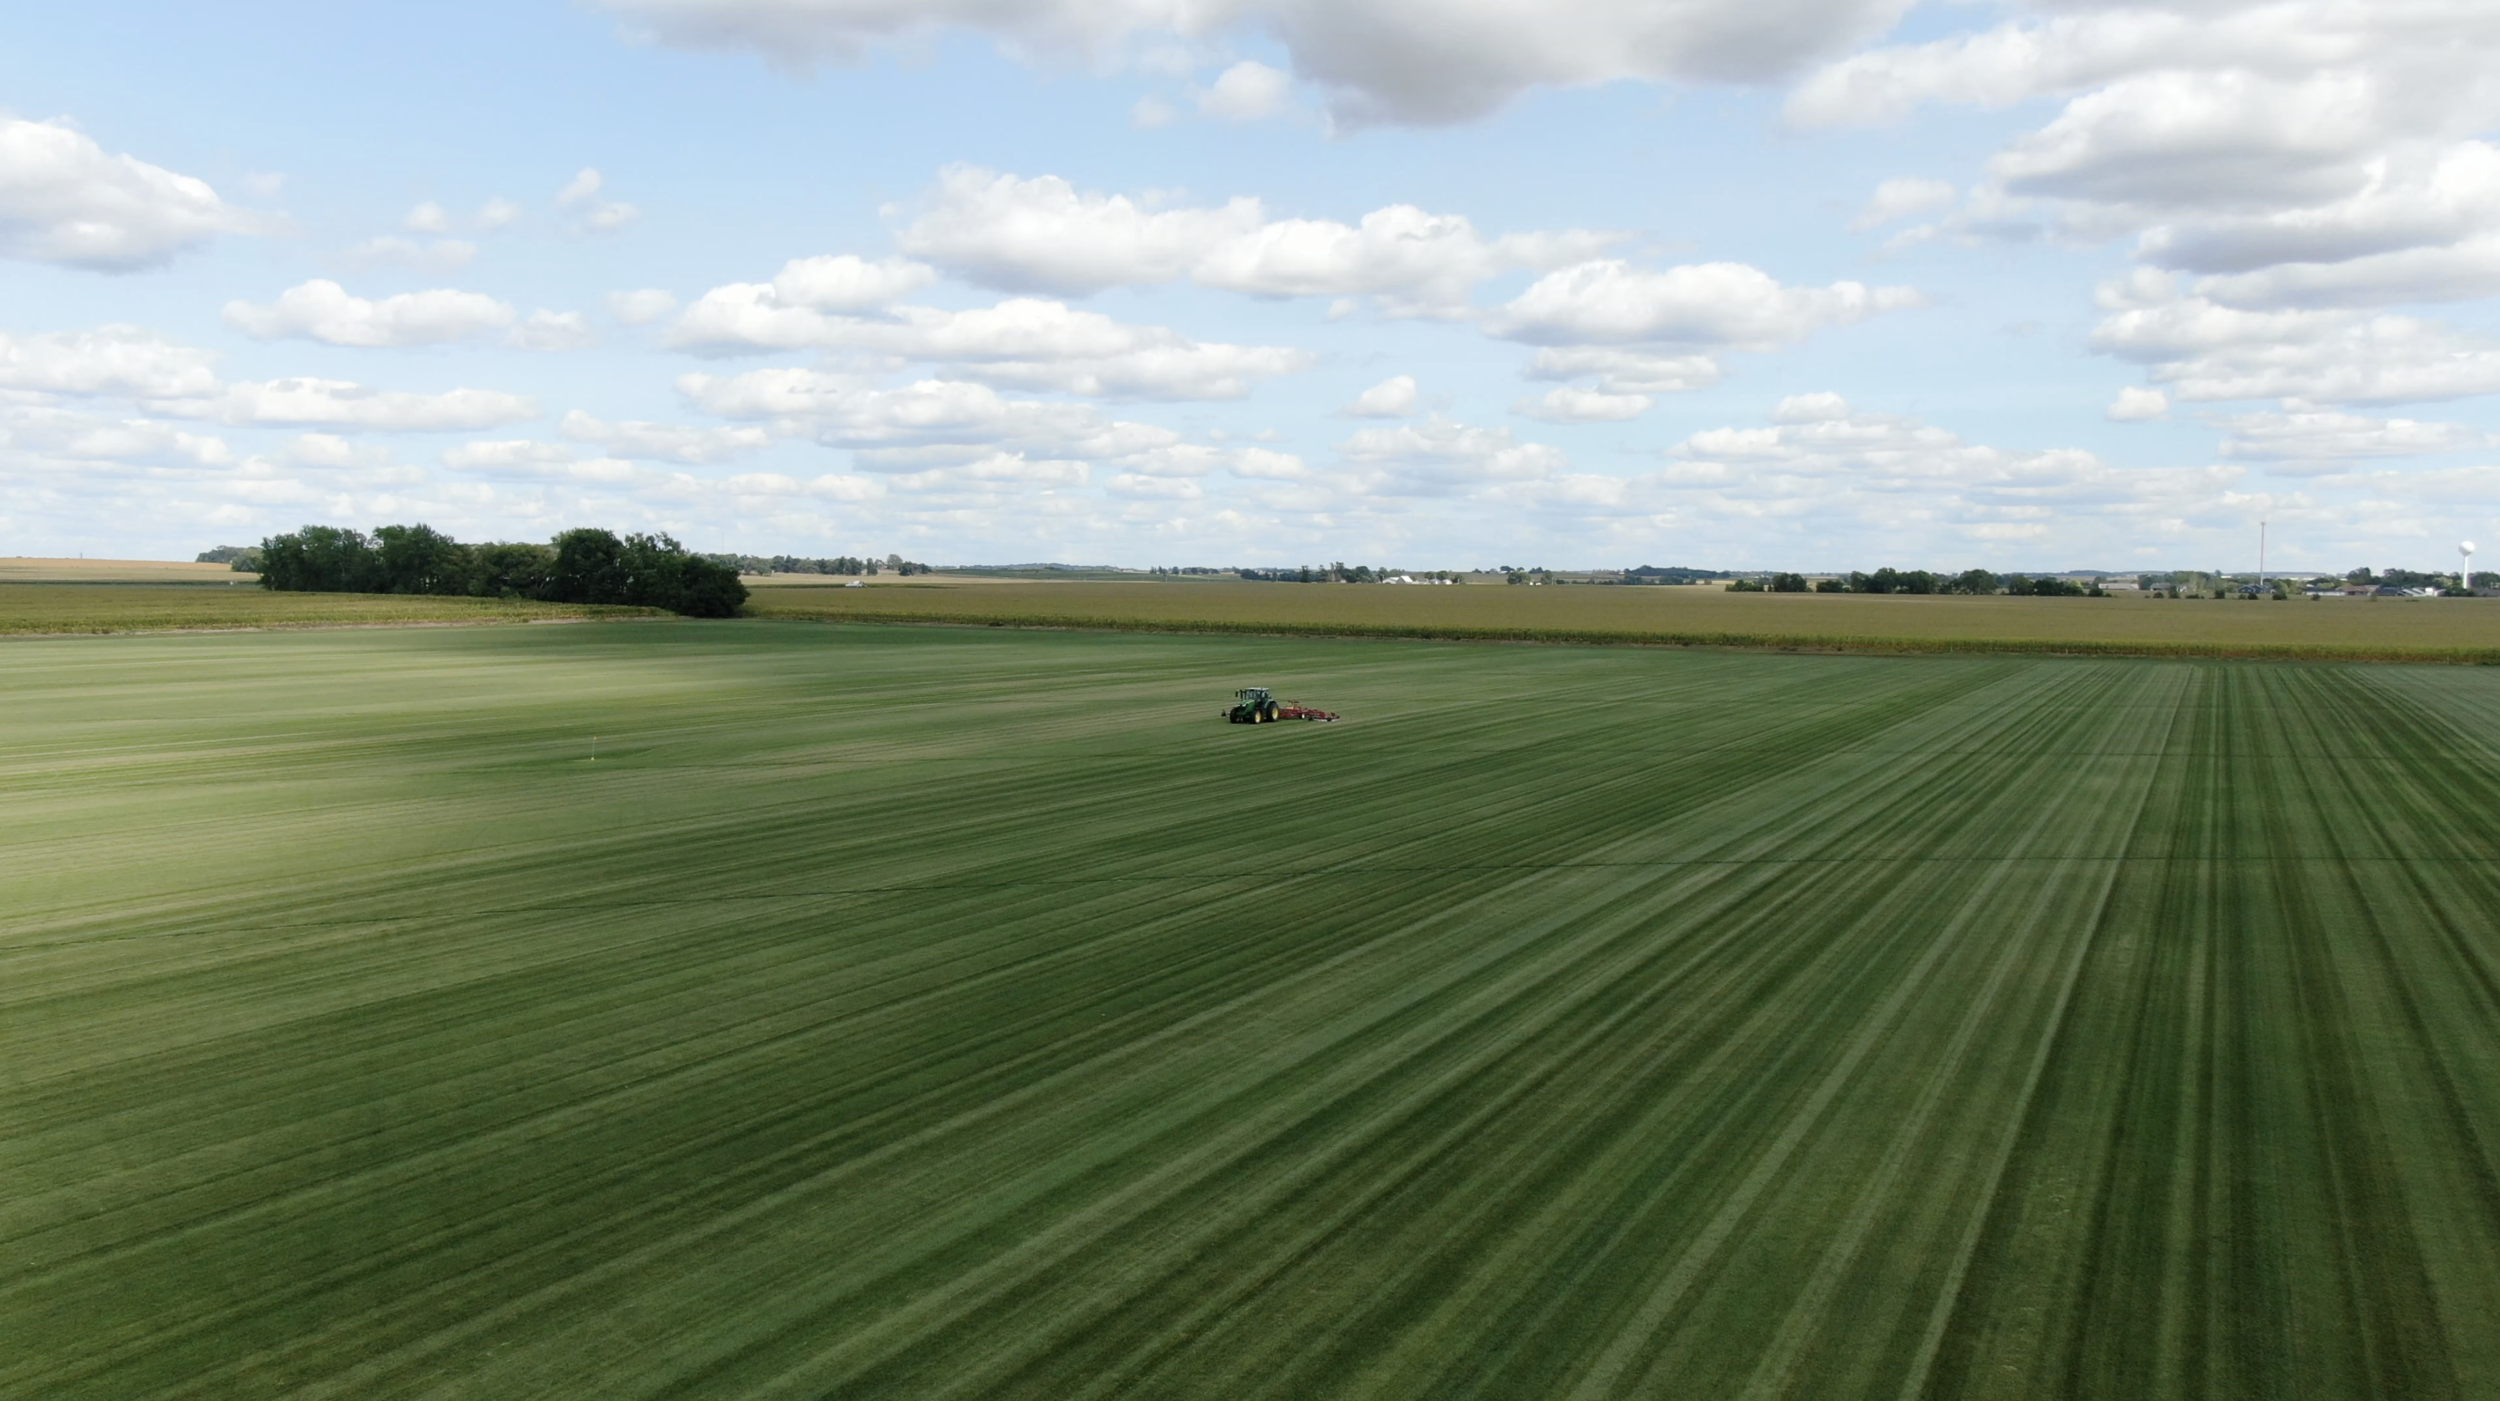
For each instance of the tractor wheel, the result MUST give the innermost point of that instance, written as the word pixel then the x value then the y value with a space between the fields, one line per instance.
pixel 1270 712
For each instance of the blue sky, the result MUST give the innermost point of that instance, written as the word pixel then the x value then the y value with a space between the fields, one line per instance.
pixel 1779 283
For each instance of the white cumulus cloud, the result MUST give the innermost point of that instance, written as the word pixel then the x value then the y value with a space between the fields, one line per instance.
pixel 1379 60
pixel 1245 92
pixel 65 200
pixel 322 310
pixel 664 442
pixel 1391 398
pixel 1438 456
pixel 76 437
pixel 1619 371
pixel 642 306
pixel 117 360
pixel 1729 305
pixel 2136 404
pixel 552 330
pixel 582 188
pixel 1024 342
pixel 345 404
pixel 2200 350
pixel 1044 234
pixel 1570 405
pixel 2304 434
pixel 1901 198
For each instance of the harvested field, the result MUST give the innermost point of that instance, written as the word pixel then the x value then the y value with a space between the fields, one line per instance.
pixel 23 569
pixel 50 608
pixel 948 1012
pixel 2464 629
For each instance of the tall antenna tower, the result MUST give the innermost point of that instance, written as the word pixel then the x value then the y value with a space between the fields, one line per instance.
pixel 2261 556
pixel 2467 578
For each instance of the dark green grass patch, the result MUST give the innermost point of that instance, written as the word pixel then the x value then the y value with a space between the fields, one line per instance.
pixel 935 1012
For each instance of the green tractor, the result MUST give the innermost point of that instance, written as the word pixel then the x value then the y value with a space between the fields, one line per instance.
pixel 1252 705
pixel 1257 705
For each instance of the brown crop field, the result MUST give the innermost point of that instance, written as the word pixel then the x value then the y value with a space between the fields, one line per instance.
pixel 52 608
pixel 2348 629
pixel 20 569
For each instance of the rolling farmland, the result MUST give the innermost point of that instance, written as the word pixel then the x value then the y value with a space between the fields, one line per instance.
pixel 968 1012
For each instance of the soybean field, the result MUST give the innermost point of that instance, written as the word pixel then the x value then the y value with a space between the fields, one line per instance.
pixel 670 1009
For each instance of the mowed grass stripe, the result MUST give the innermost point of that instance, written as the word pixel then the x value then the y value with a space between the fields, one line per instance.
pixel 2251 1186
pixel 962 1012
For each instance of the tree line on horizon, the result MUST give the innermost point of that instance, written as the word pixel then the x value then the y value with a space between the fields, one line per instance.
pixel 1920 581
pixel 839 564
pixel 1338 572
pixel 579 566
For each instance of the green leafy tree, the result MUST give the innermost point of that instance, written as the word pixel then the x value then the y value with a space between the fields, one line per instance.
pixel 589 567
pixel 657 572
pixel 419 559
pixel 510 570
pixel 1788 583
pixel 319 559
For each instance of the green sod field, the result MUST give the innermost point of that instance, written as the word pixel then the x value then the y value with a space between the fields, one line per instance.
pixel 945 1012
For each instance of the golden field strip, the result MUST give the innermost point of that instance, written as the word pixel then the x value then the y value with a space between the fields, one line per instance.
pixel 2352 629
pixel 42 597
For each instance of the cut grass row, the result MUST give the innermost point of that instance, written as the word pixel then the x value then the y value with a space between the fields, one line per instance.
pixel 937 1012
